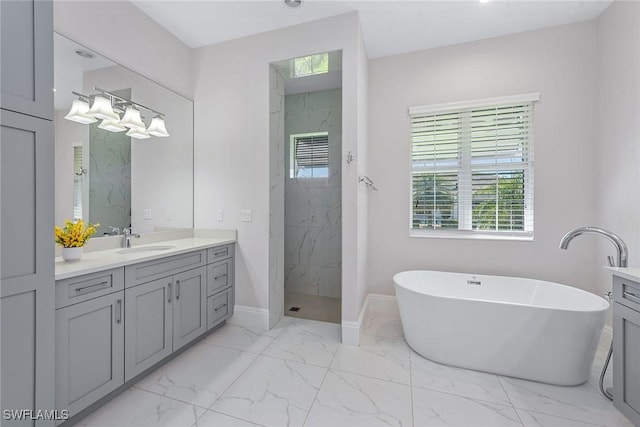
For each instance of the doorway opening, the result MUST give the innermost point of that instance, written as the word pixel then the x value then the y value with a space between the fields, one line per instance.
pixel 311 183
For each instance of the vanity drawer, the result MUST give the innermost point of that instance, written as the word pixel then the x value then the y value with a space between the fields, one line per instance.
pixel 219 276
pixel 82 288
pixel 626 292
pixel 219 307
pixel 137 274
pixel 219 253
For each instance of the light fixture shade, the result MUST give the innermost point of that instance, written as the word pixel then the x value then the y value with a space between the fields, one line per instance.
pixel 132 119
pixel 112 126
pixel 79 112
pixel 138 133
pixel 101 109
pixel 157 127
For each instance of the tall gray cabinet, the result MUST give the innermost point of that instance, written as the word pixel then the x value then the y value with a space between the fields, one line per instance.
pixel 626 352
pixel 26 219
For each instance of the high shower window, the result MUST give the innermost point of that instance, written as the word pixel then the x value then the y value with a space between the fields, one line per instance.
pixel 310 155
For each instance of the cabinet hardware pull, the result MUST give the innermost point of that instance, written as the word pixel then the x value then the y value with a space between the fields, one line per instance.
pixel 220 276
pixel 106 282
pixel 219 307
pixel 219 253
pixel 177 290
pixel 169 292
pixel 632 297
pixel 119 312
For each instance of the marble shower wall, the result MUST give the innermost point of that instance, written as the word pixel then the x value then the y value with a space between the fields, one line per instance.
pixel 313 207
pixel 109 179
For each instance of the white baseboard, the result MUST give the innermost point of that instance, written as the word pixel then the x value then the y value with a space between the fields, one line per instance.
pixel 250 317
pixel 374 303
pixel 351 330
pixel 385 304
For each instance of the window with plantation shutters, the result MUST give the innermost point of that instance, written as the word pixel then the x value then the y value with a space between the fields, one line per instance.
pixel 78 177
pixel 472 168
pixel 310 155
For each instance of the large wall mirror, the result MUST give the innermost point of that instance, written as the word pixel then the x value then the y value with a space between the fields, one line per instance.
pixel 106 176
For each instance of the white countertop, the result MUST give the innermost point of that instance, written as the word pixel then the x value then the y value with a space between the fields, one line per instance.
pixel 92 262
pixel 626 273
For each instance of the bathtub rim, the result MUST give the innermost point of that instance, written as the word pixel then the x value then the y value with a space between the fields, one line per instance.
pixel 605 307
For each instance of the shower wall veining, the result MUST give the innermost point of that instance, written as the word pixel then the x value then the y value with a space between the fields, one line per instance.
pixel 313 219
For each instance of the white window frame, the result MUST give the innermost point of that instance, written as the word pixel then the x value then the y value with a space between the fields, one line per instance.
pixel 465 230
pixel 292 154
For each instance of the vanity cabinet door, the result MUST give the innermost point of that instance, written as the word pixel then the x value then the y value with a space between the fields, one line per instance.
pixel 189 306
pixel 148 337
pixel 26 57
pixel 626 361
pixel 89 351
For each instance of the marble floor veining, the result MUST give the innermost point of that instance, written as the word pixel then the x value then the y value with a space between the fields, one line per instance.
pixel 299 374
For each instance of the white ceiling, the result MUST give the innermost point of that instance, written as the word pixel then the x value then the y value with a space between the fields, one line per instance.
pixel 389 26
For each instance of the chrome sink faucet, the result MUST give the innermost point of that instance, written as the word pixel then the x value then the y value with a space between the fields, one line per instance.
pixel 621 247
pixel 127 236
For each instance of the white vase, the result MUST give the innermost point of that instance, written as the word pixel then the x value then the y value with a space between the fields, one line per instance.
pixel 71 254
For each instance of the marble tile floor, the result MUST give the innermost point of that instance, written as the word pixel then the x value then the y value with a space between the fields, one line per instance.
pixel 299 374
pixel 313 307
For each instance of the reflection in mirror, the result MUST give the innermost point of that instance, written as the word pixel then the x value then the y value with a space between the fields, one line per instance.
pixel 110 176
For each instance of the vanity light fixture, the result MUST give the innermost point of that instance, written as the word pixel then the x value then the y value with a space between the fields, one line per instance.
pixel 108 107
pixel 112 126
pixel 132 119
pixel 293 3
pixel 80 112
pixel 157 127
pixel 102 109
pixel 138 133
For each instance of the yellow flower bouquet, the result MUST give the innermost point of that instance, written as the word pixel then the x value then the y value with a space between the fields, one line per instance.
pixel 74 234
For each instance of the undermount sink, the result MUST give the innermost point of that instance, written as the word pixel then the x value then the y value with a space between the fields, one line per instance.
pixel 146 249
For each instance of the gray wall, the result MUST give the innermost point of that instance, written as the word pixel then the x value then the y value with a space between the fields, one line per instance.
pixel 232 149
pixel 560 64
pixel 617 131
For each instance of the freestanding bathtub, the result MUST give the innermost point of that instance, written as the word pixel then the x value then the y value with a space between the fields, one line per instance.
pixel 521 328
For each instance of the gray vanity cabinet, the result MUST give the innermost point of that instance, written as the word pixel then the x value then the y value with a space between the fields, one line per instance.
pixel 148 336
pixel 626 353
pixel 26 257
pixel 189 306
pixel 162 316
pixel 26 196
pixel 220 284
pixel 89 351
pixel 89 338
pixel 26 64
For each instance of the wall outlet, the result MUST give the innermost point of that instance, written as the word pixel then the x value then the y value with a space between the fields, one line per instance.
pixel 245 216
pixel 147 214
pixel 169 214
pixel 220 215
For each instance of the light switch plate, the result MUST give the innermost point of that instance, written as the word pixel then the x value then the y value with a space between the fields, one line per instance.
pixel 169 214
pixel 245 216
pixel 220 215
pixel 147 214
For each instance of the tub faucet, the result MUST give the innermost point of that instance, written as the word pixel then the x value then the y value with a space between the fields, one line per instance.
pixel 128 235
pixel 621 247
